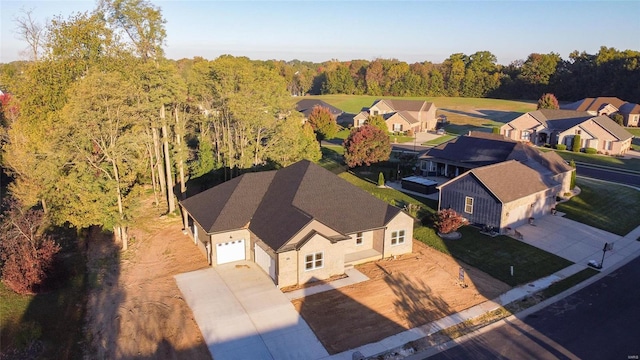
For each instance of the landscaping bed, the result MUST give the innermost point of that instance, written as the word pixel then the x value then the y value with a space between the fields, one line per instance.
pixel 412 290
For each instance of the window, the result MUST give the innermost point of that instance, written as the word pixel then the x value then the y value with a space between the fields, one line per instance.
pixel 359 238
pixel 525 135
pixel 375 112
pixel 361 122
pixel 608 145
pixel 314 261
pixel 468 205
pixel 397 127
pixel 578 132
pixel 507 133
pixel 397 237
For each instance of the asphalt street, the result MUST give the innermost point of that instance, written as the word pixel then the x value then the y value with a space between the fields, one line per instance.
pixel 612 175
pixel 601 321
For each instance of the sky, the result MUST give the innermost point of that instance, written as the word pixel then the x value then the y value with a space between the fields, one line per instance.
pixel 411 31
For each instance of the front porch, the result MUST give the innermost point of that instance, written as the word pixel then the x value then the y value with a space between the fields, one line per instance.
pixel 361 257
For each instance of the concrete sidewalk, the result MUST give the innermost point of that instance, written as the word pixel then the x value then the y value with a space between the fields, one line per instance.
pixel 353 277
pixel 626 254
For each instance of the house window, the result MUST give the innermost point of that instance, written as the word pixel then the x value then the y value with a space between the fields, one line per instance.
pixel 468 205
pixel 608 145
pixel 361 122
pixel 397 127
pixel 397 237
pixel 314 261
pixel 375 112
pixel 359 238
pixel 578 132
pixel 507 133
pixel 525 135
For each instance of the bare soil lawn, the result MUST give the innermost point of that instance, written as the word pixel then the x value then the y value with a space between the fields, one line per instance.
pixel 134 308
pixel 404 293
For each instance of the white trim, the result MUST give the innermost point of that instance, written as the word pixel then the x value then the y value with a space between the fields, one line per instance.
pixel 466 203
pixel 398 236
pixel 314 260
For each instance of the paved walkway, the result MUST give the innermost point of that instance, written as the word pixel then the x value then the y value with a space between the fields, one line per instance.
pixel 242 315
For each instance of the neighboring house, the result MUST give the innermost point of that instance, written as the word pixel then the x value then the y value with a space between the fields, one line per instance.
pixel 401 115
pixel 501 195
pixel 607 106
pixel 305 106
pixel 301 223
pixel 554 127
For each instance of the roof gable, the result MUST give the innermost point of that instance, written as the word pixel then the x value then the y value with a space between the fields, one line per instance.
pixel 305 106
pixel 612 127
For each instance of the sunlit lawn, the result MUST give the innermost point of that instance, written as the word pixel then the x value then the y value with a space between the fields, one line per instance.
pixel 495 255
pixel 440 140
pixel 604 205
pixel 602 160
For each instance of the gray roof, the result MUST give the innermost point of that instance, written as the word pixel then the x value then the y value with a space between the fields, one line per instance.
pixel 276 205
pixel 474 151
pixel 630 108
pixel 560 120
pixel 522 180
pixel 305 106
pixel 612 127
pixel 408 105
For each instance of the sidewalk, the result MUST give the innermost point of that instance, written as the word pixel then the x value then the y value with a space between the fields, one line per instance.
pixel 515 294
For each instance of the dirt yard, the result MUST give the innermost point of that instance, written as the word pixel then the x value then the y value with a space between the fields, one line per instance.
pixel 404 293
pixel 135 309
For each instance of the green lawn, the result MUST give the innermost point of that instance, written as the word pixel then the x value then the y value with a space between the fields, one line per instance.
pixel 632 164
pixel 606 206
pixel 440 140
pixel 496 255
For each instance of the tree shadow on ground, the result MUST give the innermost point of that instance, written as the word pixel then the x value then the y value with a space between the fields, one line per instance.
pixel 495 115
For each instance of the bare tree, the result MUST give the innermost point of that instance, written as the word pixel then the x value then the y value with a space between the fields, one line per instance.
pixel 30 31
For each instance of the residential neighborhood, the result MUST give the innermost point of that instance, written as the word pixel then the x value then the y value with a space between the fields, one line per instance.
pixel 321 181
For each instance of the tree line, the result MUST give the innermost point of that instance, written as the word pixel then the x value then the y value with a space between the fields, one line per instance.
pixel 609 72
pixel 98 118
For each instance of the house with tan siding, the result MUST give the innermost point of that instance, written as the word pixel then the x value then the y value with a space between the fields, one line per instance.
pixel 301 223
pixel 555 127
pixel 607 106
pixel 401 115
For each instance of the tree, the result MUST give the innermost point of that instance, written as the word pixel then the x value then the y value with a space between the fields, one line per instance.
pixel 448 220
pixel 26 252
pixel 618 118
pixel 548 101
pixel 366 145
pixel 572 184
pixel 576 144
pixel 381 179
pixel 377 121
pixel 323 123
pixel 31 32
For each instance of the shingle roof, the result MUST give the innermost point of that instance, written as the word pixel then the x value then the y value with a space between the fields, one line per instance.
pixel 475 151
pixel 408 105
pixel 407 116
pixel 293 197
pixel 629 108
pixel 520 182
pixel 305 106
pixel 594 104
pixel 560 119
pixel 612 127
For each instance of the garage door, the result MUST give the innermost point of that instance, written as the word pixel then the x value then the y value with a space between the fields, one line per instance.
pixel 230 251
pixel 266 262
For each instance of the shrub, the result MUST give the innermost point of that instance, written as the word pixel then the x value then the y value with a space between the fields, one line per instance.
pixel 380 179
pixel 495 130
pixel 409 133
pixel 26 254
pixel 575 146
pixel 548 101
pixel 591 151
pixel 448 220
pixel 561 147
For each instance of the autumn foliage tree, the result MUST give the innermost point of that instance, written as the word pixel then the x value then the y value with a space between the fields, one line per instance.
pixel 26 253
pixel 448 220
pixel 548 101
pixel 366 145
pixel 323 123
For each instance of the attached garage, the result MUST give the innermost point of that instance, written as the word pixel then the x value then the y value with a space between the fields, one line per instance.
pixel 265 261
pixel 230 251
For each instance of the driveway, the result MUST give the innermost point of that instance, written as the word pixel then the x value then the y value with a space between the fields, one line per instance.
pixel 242 315
pixel 575 241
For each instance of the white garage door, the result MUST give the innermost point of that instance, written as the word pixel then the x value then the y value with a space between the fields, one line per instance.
pixel 266 262
pixel 230 251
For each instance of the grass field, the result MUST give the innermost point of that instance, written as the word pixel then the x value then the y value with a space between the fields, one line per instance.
pixel 463 114
pixel 606 206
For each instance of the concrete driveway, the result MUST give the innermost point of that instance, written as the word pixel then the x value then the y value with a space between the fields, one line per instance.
pixel 575 241
pixel 242 315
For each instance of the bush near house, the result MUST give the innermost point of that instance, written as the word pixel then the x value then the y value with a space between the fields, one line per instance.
pixel 590 151
pixel 561 147
pixel 575 147
pixel 448 220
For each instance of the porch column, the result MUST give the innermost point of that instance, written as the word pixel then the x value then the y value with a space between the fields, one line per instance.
pixel 446 169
